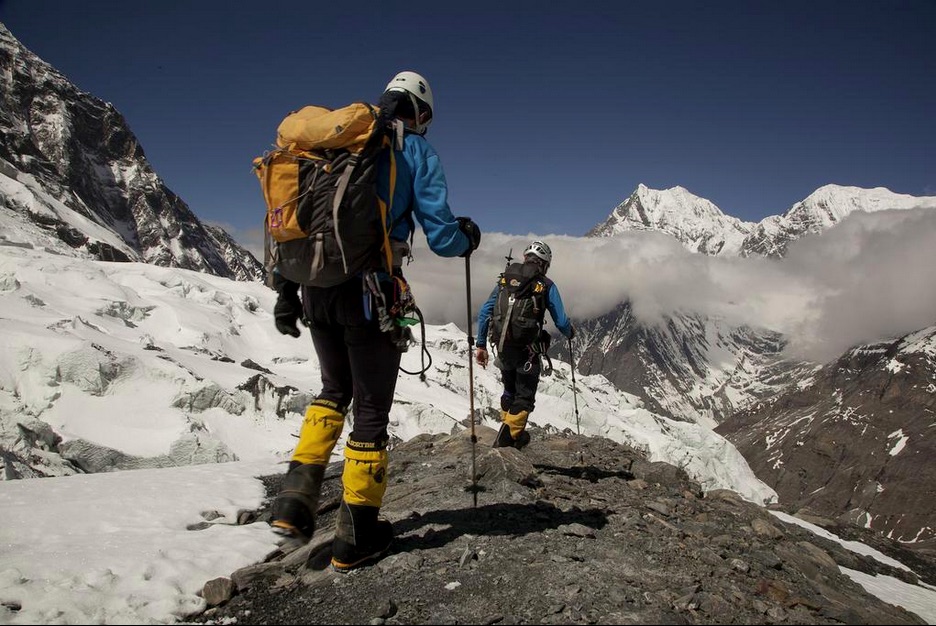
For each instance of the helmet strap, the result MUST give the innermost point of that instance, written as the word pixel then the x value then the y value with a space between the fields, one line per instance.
pixel 418 126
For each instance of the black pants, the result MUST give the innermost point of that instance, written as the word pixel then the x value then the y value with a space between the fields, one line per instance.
pixel 359 362
pixel 520 370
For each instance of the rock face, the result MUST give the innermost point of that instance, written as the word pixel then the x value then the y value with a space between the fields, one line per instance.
pixel 569 530
pixel 71 169
pixel 855 441
pixel 679 369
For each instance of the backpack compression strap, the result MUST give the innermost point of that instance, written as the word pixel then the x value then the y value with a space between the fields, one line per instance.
pixel 506 323
pixel 339 195
pixel 386 209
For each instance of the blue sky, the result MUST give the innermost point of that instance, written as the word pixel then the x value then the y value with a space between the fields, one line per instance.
pixel 546 118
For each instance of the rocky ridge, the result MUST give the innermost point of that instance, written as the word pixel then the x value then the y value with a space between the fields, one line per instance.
pixel 569 530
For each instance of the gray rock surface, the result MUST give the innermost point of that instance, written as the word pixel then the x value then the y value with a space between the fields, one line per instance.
pixel 569 530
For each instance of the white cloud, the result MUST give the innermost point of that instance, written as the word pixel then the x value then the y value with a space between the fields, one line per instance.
pixel 867 279
pixel 873 274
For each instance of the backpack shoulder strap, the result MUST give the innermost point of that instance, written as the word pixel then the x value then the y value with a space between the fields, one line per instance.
pixel 396 131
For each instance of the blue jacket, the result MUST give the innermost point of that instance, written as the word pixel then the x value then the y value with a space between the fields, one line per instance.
pixel 553 305
pixel 420 185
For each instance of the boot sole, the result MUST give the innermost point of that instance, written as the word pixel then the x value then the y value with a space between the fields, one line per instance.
pixel 344 568
pixel 285 529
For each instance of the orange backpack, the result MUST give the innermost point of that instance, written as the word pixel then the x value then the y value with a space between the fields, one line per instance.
pixel 324 220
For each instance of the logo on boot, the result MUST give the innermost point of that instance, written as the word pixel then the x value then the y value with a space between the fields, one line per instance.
pixel 379 475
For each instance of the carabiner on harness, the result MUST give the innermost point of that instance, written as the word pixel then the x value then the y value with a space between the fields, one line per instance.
pixel 374 295
pixel 538 352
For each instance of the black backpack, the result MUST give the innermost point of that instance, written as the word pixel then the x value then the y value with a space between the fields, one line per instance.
pixel 520 306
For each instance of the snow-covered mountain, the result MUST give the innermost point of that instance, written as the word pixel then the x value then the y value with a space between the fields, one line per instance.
pixel 76 177
pixel 692 367
pixel 855 440
pixel 129 365
pixel 823 209
pixel 849 440
pixel 700 226
pixel 697 223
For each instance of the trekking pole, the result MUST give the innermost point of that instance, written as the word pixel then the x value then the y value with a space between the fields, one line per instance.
pixel 578 430
pixel 471 416
pixel 574 393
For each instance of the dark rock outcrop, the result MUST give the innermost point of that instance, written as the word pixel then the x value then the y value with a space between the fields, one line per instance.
pixel 570 530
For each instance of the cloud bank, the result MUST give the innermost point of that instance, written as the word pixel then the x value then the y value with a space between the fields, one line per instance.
pixel 870 278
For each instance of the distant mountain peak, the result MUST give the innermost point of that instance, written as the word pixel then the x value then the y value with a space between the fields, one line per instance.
pixel 821 210
pixel 700 226
pixel 696 222
pixel 832 203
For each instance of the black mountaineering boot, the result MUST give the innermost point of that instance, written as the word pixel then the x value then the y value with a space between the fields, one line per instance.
pixel 513 423
pixel 360 537
pixel 503 439
pixel 297 502
pixel 522 439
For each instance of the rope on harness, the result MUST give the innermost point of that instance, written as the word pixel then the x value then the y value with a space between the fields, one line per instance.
pixel 396 318
pixel 423 351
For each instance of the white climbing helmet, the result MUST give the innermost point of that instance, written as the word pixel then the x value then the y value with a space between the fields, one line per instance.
pixel 540 250
pixel 417 87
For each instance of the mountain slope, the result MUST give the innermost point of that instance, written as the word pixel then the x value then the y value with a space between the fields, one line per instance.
pixel 71 167
pixel 692 367
pixel 855 440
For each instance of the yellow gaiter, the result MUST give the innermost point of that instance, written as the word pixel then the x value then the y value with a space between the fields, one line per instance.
pixel 365 473
pixel 320 432
pixel 516 422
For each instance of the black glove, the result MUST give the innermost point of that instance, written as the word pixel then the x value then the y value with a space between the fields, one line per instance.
pixel 471 231
pixel 571 332
pixel 288 310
